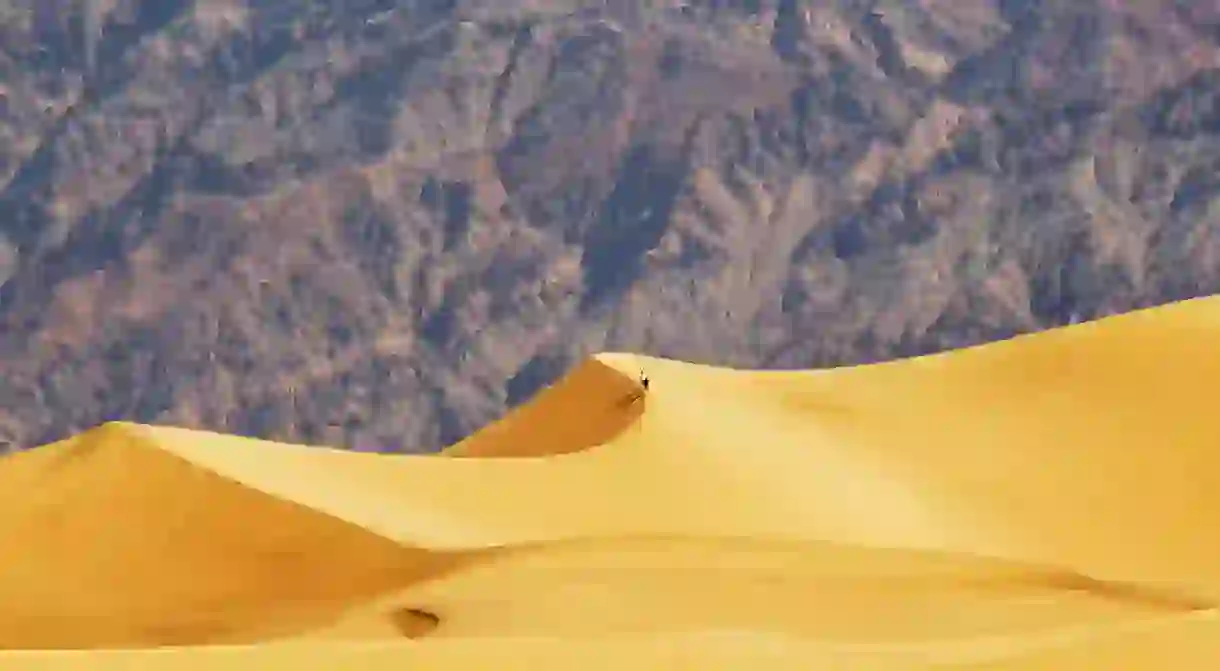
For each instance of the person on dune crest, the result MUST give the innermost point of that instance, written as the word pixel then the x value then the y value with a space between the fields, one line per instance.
pixel 637 395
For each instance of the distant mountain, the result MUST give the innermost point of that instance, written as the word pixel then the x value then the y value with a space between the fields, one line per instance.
pixel 377 224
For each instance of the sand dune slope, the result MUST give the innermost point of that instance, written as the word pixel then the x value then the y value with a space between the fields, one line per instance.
pixel 111 541
pixel 1045 502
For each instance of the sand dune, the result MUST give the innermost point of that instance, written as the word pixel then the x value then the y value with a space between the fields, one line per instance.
pixel 1045 502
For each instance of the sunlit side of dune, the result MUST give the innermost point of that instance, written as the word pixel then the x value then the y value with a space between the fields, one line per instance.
pixel 1045 502
pixel 1184 642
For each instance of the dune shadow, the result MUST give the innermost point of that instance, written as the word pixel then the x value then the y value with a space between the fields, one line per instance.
pixel 588 407
pixel 1136 593
pixel 414 622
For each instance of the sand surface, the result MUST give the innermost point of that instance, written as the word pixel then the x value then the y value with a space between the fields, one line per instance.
pixel 1048 502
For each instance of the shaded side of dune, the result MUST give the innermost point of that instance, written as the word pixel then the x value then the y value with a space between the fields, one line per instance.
pixel 115 542
pixel 587 407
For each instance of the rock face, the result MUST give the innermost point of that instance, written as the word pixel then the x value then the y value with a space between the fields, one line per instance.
pixel 378 223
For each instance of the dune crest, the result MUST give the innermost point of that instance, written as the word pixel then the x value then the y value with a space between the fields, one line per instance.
pixel 1044 502
pixel 589 406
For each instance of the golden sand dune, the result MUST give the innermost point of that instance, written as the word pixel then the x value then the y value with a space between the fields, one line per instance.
pixel 1045 502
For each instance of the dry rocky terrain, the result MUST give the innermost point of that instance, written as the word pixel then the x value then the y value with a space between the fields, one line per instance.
pixel 380 223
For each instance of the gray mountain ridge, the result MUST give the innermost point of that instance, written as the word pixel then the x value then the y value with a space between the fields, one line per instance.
pixel 379 224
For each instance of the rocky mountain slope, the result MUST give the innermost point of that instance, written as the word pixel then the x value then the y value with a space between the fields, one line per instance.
pixel 378 223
